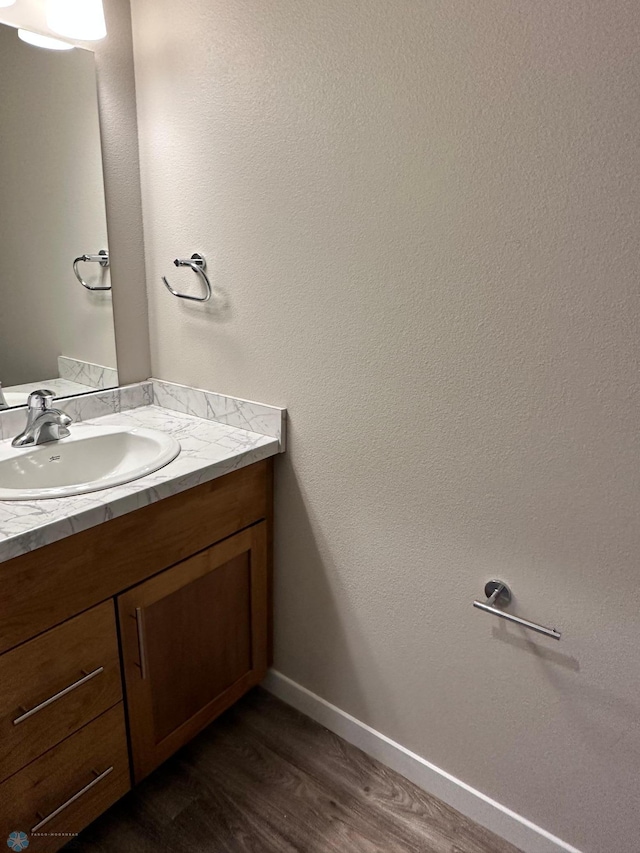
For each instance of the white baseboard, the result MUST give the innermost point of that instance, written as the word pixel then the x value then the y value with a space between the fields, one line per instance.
pixel 474 804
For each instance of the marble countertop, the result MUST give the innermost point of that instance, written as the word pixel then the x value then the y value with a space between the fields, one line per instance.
pixel 209 449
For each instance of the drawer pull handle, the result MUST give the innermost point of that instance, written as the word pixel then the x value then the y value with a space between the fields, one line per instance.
pixel 142 647
pixel 45 820
pixel 86 677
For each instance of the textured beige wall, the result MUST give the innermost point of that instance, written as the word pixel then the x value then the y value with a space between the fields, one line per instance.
pixel 52 210
pixel 422 222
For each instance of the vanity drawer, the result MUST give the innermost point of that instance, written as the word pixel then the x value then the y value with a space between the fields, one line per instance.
pixel 55 684
pixel 68 787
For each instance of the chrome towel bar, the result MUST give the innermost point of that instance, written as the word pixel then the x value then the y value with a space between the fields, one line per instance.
pixel 198 264
pixel 101 258
pixel 498 591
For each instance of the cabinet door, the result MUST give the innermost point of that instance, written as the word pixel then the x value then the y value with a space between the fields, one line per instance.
pixel 194 640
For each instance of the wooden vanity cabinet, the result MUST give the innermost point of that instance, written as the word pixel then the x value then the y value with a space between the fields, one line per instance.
pixel 180 592
pixel 194 639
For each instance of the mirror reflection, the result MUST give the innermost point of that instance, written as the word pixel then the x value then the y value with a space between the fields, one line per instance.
pixel 56 319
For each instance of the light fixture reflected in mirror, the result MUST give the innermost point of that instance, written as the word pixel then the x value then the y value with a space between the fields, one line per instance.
pixel 77 19
pixel 43 41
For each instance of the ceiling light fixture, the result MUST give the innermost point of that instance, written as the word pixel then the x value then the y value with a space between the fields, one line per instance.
pixel 77 19
pixel 5 3
pixel 43 41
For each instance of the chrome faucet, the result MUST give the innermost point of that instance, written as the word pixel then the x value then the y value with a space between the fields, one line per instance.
pixel 44 423
pixel 3 402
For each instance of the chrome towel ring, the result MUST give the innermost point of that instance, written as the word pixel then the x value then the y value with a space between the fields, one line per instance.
pixel 101 258
pixel 198 264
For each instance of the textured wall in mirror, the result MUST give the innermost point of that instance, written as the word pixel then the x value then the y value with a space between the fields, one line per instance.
pixel 53 210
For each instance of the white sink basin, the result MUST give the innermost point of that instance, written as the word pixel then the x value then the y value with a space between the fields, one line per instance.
pixel 90 459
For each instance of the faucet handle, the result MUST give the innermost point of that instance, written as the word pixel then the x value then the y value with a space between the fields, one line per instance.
pixel 41 400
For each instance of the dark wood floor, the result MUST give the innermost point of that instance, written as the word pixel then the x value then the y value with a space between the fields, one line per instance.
pixel 265 779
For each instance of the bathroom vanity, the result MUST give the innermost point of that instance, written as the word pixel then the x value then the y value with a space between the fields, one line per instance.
pixel 121 642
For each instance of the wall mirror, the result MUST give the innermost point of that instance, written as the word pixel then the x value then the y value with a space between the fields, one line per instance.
pixel 56 318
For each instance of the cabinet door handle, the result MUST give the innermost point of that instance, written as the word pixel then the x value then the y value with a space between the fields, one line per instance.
pixel 45 820
pixel 142 646
pixel 86 677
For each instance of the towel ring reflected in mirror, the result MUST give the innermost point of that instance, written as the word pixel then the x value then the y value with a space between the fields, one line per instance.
pixel 198 264
pixel 101 258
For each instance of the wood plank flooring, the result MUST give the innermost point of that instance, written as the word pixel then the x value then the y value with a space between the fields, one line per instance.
pixel 266 779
